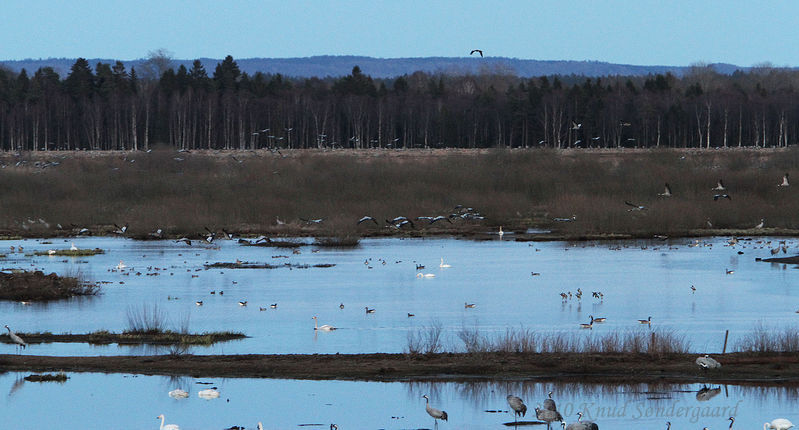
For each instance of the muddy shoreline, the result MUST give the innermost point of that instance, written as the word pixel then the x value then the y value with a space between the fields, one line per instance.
pixel 737 368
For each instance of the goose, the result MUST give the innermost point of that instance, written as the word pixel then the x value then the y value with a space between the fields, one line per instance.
pixel 588 325
pixel 693 289
pixel 210 236
pixel 367 218
pixel 324 327
pixel 729 272
pixel 243 303
pixel 573 218
pixel 576 126
pixel 51 252
pixel 469 305
pixel 646 321
pixel 279 221
pixel 707 363
pixel 719 186
pixel 410 315
pixel 178 394
pixel 721 196
pixel 435 413
pixel 443 265
pixel 635 207
pixel 185 240
pixel 440 218
pixel 369 311
pixel 227 234
pixel 518 406
pixel 198 303
pixel 666 192
pixel 761 223
pixel 778 424
pixel 312 221
pixel 121 230
pixel 168 426
pixel 273 306
pixel 73 247
pixel 479 51
pixel 598 320
pixel 341 306
pixel 157 233
pixel 784 181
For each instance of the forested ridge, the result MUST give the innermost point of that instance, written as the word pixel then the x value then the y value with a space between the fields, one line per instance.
pixel 108 107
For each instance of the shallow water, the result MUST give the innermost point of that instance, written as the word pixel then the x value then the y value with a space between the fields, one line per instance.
pixel 93 401
pixel 495 275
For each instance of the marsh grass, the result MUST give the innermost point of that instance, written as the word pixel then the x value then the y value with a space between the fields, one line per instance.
pixel 426 340
pixel 763 339
pixel 521 340
pixel 146 319
pixel 509 187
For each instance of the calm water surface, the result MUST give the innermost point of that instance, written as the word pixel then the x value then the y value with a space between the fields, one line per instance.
pixel 98 401
pixel 637 278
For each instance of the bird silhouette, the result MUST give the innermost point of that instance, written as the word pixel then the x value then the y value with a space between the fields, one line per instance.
pixel 479 51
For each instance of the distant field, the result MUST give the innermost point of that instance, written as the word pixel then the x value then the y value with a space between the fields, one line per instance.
pixel 248 191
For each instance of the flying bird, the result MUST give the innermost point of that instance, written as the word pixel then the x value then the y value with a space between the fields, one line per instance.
pixel 719 186
pixel 634 206
pixel 479 51
pixel 666 192
pixel 761 223
pixel 722 196
pixel 367 218
pixel 784 181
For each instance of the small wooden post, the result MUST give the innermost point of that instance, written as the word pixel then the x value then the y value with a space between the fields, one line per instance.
pixel 726 334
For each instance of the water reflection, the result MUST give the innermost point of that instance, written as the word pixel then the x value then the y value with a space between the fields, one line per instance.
pixel 104 401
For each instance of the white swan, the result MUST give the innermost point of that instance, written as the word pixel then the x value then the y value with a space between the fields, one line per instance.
pixel 501 233
pixel 443 265
pixel 73 247
pixel 121 265
pixel 178 394
pixel 324 327
pixel 208 394
pixel 778 424
pixel 425 275
pixel 168 426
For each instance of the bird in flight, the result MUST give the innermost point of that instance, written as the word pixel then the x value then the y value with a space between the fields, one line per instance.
pixel 479 51
pixel 666 192
pixel 719 186
pixel 634 206
pixel 784 181
pixel 722 196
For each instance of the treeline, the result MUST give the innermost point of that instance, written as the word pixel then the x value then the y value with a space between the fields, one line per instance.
pixel 109 107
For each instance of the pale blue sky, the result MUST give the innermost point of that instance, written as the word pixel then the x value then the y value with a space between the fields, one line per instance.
pixel 646 32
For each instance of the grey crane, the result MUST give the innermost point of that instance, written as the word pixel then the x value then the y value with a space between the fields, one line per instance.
pixel 548 416
pixel 16 339
pixel 580 424
pixel 518 406
pixel 433 412
pixel 549 404
pixel 707 363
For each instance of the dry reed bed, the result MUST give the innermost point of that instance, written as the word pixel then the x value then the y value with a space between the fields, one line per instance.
pixel 512 188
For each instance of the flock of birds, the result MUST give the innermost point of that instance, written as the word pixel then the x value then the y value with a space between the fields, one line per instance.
pixel 721 194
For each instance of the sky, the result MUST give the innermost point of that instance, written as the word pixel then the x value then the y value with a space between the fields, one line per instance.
pixel 641 32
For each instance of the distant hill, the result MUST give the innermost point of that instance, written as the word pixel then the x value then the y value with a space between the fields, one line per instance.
pixel 323 66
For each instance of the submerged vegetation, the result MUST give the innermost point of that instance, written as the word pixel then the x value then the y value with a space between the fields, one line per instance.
pixel 36 286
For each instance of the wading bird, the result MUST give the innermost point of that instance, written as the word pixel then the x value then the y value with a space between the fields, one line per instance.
pixel 549 404
pixel 548 416
pixel 324 327
pixel 479 51
pixel 580 425
pixel 18 342
pixel 168 426
pixel 433 412
pixel 518 406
